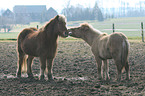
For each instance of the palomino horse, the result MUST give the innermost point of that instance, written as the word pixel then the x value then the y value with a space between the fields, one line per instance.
pixel 114 46
pixel 40 43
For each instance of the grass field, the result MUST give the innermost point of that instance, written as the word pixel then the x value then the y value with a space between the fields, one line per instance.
pixel 131 27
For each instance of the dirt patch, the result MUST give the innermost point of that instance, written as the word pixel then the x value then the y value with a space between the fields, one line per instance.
pixel 74 71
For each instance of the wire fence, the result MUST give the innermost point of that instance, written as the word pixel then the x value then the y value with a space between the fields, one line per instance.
pixel 129 29
pixel 141 30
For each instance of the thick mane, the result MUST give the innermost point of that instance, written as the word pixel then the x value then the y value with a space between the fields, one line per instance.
pixel 85 25
pixel 88 26
pixel 47 24
pixel 62 18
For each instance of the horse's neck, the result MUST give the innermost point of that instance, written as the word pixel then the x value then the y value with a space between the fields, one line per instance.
pixel 48 35
pixel 90 36
pixel 51 32
pixel 52 37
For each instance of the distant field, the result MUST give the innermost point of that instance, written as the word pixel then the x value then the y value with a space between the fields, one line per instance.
pixel 129 26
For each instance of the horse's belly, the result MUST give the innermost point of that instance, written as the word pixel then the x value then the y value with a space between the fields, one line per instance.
pixel 104 54
pixel 30 50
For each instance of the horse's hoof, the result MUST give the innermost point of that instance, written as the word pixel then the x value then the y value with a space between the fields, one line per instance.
pixel 18 76
pixel 127 79
pixel 50 78
pixel 107 78
pixel 30 77
pixel 118 80
pixel 42 80
pixel 100 78
pixel 42 77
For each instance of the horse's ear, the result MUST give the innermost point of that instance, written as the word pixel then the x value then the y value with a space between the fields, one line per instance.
pixel 57 17
pixel 85 27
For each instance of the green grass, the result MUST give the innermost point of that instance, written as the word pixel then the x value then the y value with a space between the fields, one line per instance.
pixel 9 35
pixel 18 27
pixel 105 26
pixel 120 23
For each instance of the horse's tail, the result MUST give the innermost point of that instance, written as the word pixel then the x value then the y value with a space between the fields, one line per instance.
pixel 124 52
pixel 24 64
pixel 25 32
pixel 21 56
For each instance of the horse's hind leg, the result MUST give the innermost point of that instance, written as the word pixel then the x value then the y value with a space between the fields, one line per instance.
pixel 49 68
pixel 29 66
pixel 127 71
pixel 106 69
pixel 119 69
pixel 21 58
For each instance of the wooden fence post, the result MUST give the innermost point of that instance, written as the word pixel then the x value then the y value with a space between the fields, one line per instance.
pixel 37 26
pixel 142 32
pixel 113 27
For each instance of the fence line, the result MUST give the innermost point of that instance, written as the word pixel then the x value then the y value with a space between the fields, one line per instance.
pixel 142 30
pixel 127 30
pixel 122 29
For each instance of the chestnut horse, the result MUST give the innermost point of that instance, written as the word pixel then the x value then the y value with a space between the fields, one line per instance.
pixel 114 46
pixel 40 43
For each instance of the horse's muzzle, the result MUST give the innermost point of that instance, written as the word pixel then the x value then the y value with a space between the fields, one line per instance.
pixel 65 34
pixel 69 33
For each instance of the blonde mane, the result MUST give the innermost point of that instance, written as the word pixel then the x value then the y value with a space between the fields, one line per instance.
pixel 86 25
pixel 62 18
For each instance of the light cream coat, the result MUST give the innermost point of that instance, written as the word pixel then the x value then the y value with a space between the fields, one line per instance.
pixel 114 46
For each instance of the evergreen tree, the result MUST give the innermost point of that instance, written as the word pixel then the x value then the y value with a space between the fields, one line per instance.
pixel 97 13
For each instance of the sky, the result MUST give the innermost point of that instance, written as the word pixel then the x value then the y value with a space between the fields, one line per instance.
pixel 56 4
pixel 60 4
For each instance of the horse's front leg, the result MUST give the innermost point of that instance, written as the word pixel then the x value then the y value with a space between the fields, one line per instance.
pixel 99 67
pixel 42 67
pixel 49 67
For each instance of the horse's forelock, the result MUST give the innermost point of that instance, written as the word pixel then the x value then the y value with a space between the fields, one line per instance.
pixel 85 25
pixel 62 18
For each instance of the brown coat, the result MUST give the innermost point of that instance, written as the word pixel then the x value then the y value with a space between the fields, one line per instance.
pixel 40 43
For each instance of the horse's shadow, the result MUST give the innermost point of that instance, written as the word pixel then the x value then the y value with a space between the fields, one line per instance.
pixel 57 81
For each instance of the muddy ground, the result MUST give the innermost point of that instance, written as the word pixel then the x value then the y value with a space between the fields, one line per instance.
pixel 74 71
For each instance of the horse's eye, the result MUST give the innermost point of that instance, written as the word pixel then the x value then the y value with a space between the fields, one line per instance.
pixel 60 22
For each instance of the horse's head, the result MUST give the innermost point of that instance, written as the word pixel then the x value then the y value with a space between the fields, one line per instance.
pixel 61 26
pixel 78 32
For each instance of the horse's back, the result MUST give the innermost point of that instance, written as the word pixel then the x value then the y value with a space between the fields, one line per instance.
pixel 25 32
pixel 22 35
pixel 116 39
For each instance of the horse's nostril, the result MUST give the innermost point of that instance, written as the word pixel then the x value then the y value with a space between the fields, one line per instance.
pixel 70 33
pixel 66 34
